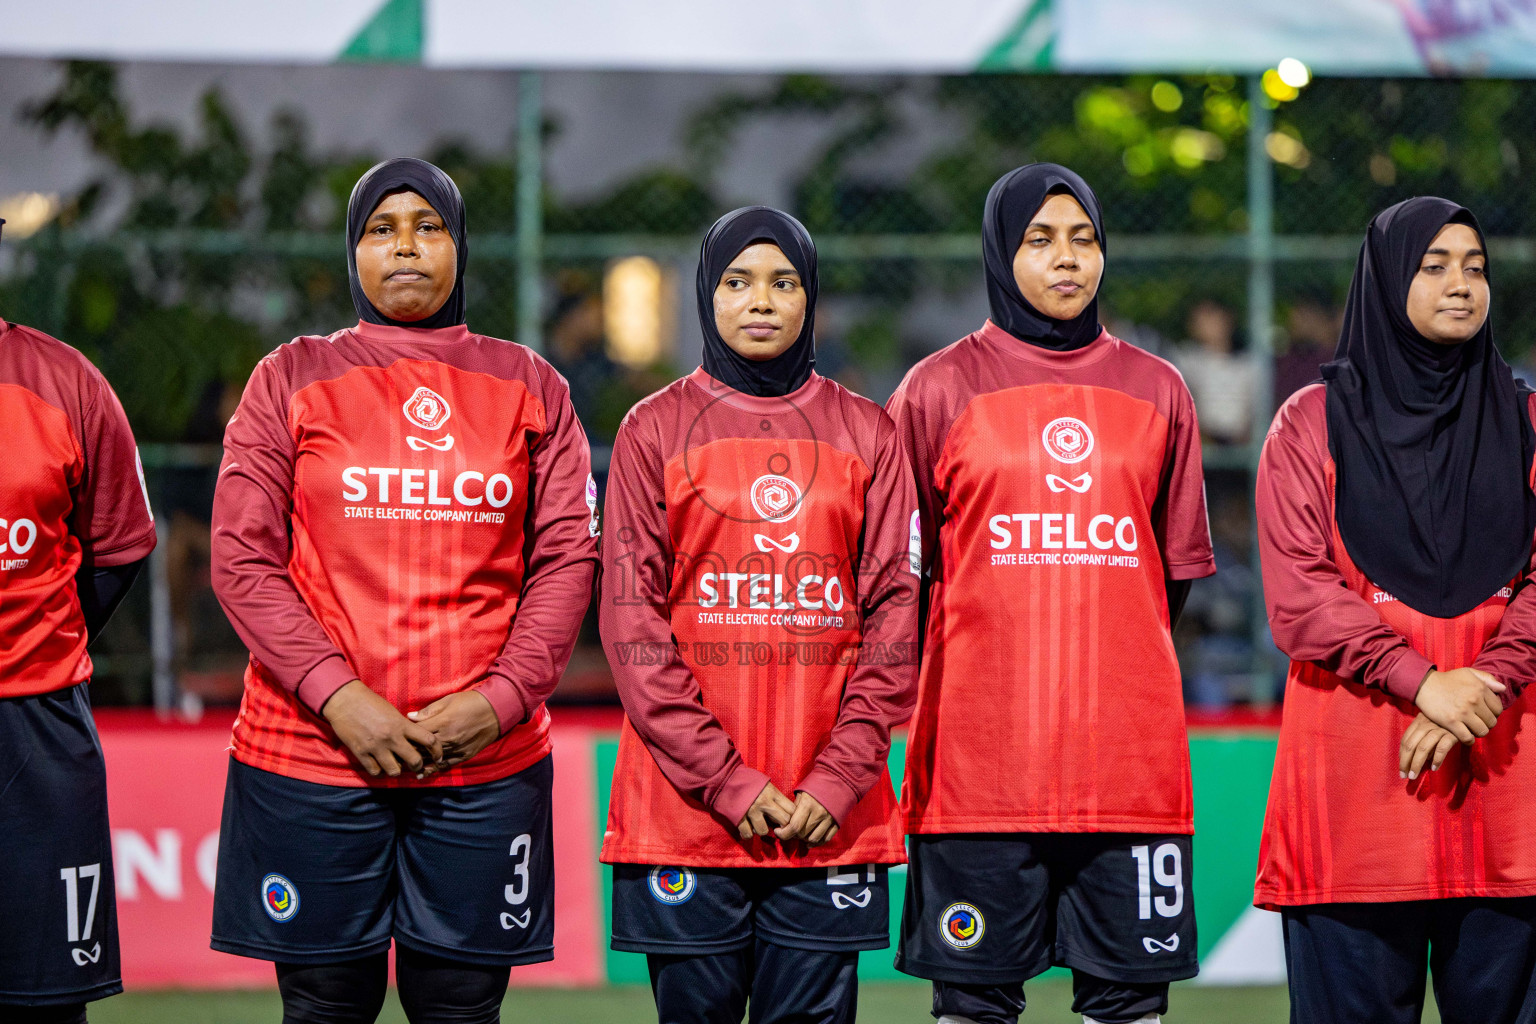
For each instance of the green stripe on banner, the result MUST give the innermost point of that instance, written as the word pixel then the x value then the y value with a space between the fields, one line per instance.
pixel 395 33
pixel 1029 45
pixel 623 968
pixel 1231 778
pixel 1231 784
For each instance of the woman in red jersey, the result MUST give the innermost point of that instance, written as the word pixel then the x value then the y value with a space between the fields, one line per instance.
pixel 75 527
pixel 403 538
pixel 1395 523
pixel 1047 791
pixel 758 608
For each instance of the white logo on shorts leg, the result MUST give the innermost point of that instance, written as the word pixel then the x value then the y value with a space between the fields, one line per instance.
pixel 279 898
pixel 672 885
pixel 82 957
pixel 775 498
pixel 961 925
pixel 860 899
pixel 510 921
pixel 1154 946
pixel 1067 439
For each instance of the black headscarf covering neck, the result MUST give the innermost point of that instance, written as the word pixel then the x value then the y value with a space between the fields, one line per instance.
pixel 731 234
pixel 1432 443
pixel 407 174
pixel 1011 205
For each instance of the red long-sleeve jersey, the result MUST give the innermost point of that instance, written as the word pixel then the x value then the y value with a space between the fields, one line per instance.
pixel 412 508
pixel 1341 826
pixel 758 610
pixel 1059 491
pixel 71 494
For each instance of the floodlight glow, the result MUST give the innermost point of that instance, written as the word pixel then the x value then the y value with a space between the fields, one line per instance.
pixel 27 212
pixel 1276 89
pixel 1293 73
pixel 633 299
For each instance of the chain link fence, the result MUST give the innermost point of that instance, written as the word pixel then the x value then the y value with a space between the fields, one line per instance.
pixel 1234 210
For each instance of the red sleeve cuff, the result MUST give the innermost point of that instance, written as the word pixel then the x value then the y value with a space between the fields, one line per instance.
pixel 831 792
pixel 1192 570
pixel 323 681
pixel 136 551
pixel 1512 689
pixel 506 700
pixel 736 796
pixel 1406 675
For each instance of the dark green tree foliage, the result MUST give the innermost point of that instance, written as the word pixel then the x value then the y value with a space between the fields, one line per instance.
pixel 192 254
pixel 157 320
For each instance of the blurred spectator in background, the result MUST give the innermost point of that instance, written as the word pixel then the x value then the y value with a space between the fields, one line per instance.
pixel 1215 652
pixel 1313 334
pixel 575 344
pixel 1220 379
pixel 1143 336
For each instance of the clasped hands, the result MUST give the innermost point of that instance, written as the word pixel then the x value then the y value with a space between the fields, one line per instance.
pixel 804 818
pixel 1459 706
pixel 443 734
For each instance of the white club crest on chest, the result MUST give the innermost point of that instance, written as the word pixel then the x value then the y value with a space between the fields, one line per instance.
pixel 430 411
pixel 775 498
pixel 427 409
pixel 1067 439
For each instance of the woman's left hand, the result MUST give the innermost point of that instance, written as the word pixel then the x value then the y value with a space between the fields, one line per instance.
pixel 464 722
pixel 811 823
pixel 1423 742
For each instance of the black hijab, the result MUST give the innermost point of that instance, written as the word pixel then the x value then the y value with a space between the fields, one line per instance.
pixel 1432 443
pixel 1011 205
pixel 407 174
pixel 725 241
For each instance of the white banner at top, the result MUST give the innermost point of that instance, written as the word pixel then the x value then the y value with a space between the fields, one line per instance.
pixel 707 35
pixel 291 31
pixel 1338 37
pixel 1341 37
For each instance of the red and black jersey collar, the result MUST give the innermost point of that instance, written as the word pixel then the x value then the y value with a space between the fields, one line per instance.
pixel 387 333
pixel 995 337
pixel 755 403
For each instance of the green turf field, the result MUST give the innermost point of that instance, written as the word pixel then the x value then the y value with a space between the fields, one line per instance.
pixel 1049 1000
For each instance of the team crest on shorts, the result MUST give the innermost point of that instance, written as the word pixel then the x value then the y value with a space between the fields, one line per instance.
pixel 1067 439
pixel 775 498
pixel 673 885
pixel 279 898
pixel 961 925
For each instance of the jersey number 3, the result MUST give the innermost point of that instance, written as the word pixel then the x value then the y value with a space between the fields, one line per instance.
pixel 517 893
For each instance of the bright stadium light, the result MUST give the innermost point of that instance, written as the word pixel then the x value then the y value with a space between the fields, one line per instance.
pixel 634 310
pixel 1276 88
pixel 1293 73
pixel 26 213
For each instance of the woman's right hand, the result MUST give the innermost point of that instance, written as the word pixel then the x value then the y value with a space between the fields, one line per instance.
pixel 1464 701
pixel 379 736
pixel 771 808
pixel 1425 746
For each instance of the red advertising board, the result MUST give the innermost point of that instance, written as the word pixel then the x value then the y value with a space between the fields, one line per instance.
pixel 166 788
